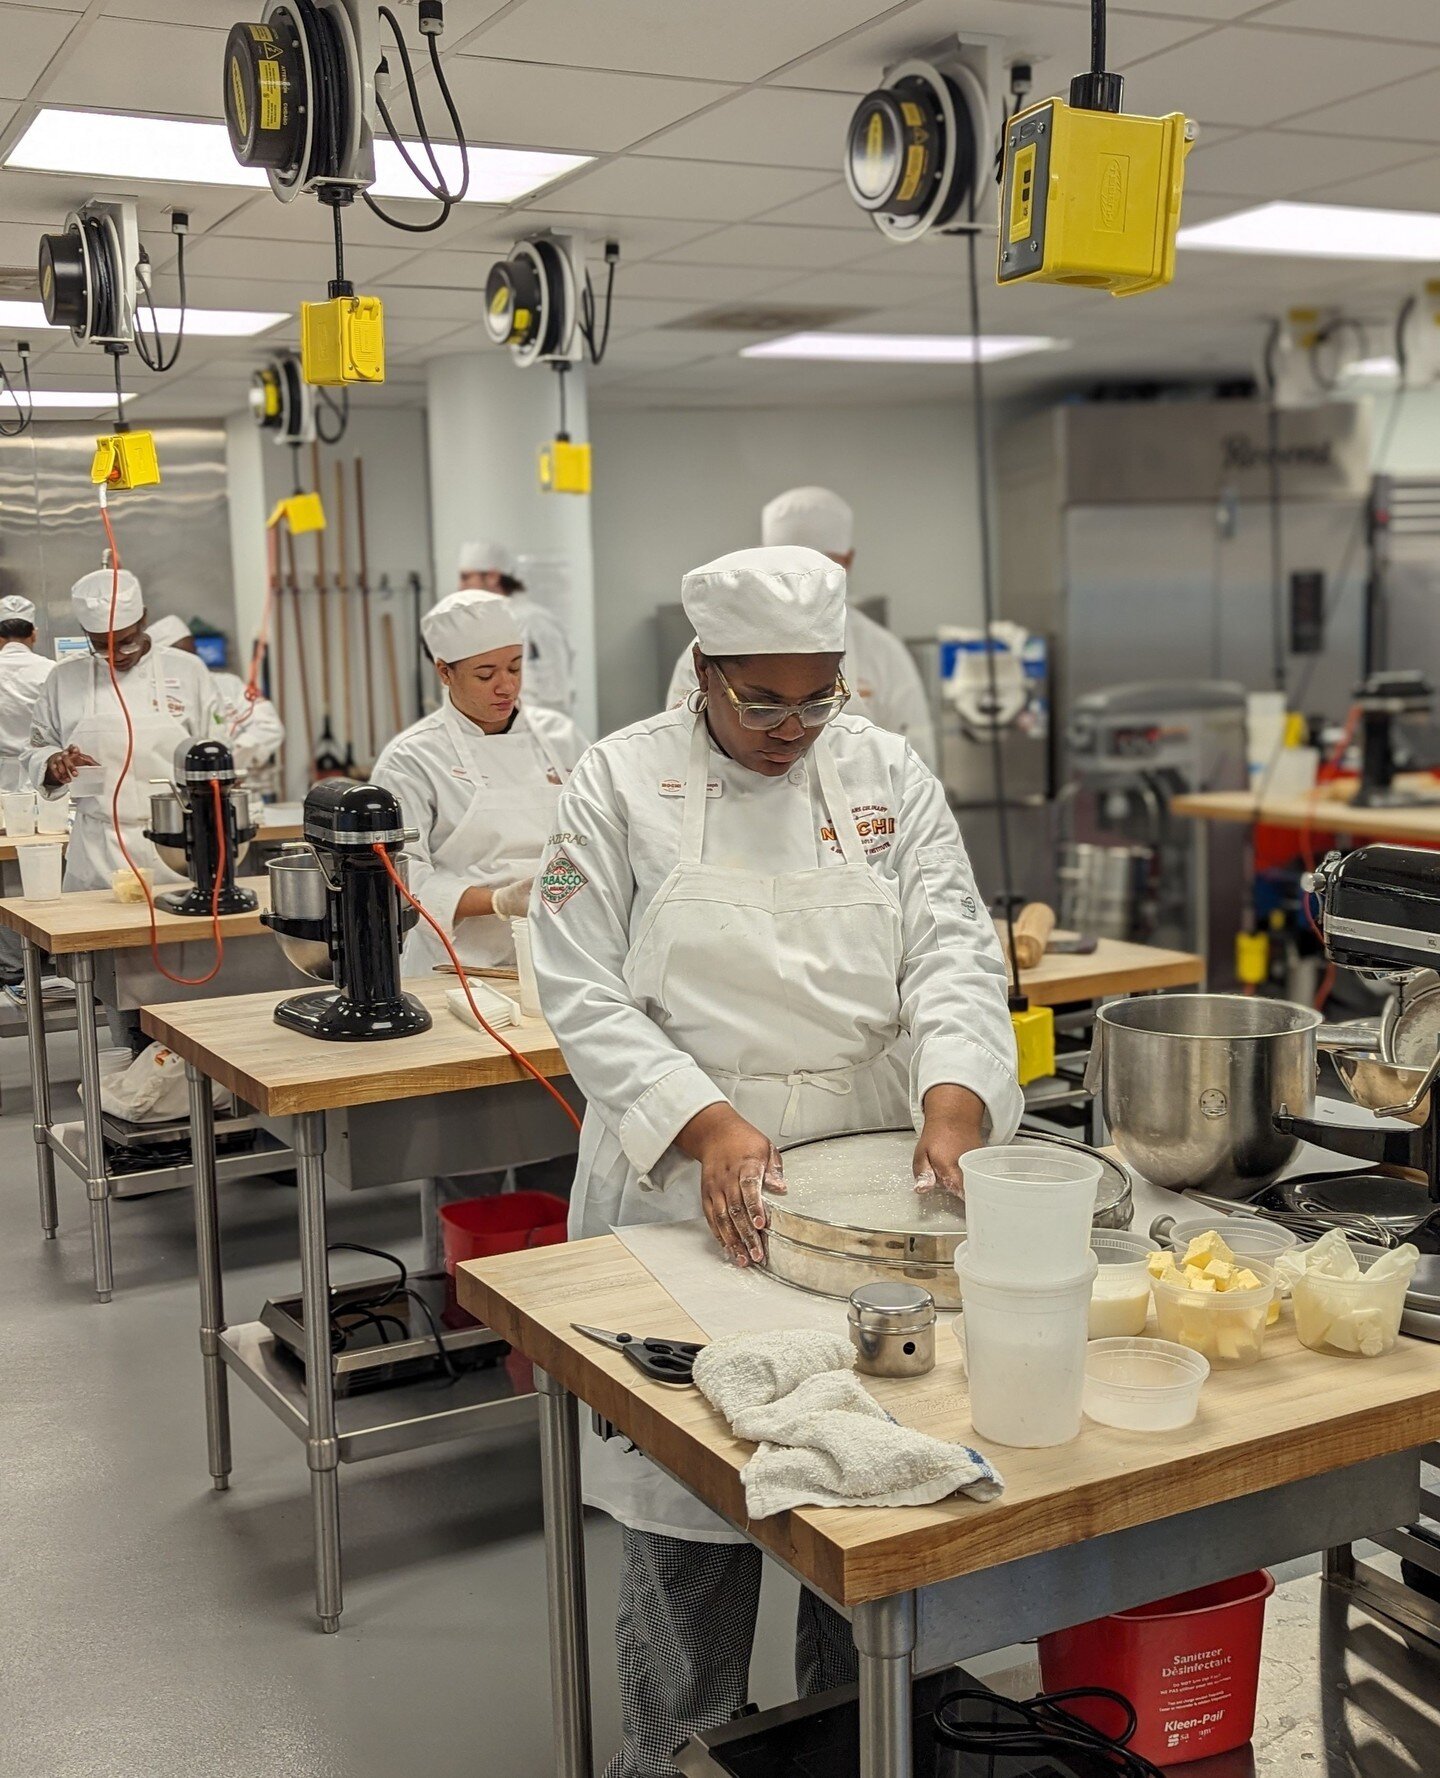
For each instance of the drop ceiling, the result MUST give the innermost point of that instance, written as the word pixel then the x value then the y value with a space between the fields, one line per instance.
pixel 715 132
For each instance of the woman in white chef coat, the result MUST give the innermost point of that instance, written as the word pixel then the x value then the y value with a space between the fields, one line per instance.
pixel 480 778
pixel 756 925
pixel 77 734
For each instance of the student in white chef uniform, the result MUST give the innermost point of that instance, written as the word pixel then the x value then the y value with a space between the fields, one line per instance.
pixel 253 732
pixel 549 664
pixel 480 778
pixel 78 725
pixel 885 683
pixel 756 925
pixel 22 673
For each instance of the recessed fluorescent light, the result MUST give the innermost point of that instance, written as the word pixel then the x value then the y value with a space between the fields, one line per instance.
pixel 902 348
pixel 1379 369
pixel 81 398
pixel 1320 231
pixel 203 323
pixel 117 145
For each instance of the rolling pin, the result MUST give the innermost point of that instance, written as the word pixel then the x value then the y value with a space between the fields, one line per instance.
pixel 1033 926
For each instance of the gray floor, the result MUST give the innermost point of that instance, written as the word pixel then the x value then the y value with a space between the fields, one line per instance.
pixel 153 1628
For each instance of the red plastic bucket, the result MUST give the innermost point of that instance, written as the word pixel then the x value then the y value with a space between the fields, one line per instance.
pixel 475 1228
pixel 1190 1665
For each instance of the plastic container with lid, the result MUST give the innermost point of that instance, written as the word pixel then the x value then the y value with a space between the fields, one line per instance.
pixel 1028 1211
pixel 1357 1316
pixel 1227 1327
pixel 1143 1385
pixel 1120 1303
pixel 1024 1350
pixel 1247 1237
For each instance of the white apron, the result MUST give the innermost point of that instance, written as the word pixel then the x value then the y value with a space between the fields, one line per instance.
pixel 94 855
pixel 799 969
pixel 499 839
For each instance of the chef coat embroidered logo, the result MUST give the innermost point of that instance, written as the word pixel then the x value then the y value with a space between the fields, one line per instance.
pixel 969 907
pixel 563 878
pixel 873 822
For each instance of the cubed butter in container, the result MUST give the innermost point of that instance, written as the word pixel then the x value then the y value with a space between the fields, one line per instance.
pixel 1349 1297
pixel 1212 1304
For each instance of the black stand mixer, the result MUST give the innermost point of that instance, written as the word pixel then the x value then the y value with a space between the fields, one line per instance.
pixel 340 917
pixel 202 834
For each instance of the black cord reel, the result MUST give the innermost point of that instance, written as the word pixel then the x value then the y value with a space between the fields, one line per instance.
pixel 917 148
pixel 532 301
pixel 83 276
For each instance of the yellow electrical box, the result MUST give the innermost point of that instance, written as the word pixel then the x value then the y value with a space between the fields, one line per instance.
pixel 126 460
pixel 1252 958
pixel 342 341
pixel 301 512
pixel 1091 198
pixel 1034 1042
pixel 564 468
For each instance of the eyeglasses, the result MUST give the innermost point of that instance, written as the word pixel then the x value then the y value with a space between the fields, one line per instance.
pixel 766 717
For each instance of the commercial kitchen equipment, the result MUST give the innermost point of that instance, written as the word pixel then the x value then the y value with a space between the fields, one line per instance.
pixel 202 826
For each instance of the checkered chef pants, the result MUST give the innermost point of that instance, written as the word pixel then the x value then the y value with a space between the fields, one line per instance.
pixel 683 1636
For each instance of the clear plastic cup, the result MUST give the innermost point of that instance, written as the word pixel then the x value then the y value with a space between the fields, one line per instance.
pixel 1143 1385
pixel 41 867
pixel 1120 1305
pixel 18 810
pixel 525 965
pixel 1225 1326
pixel 1247 1237
pixel 52 815
pixel 1357 1316
pixel 1024 1350
pixel 1028 1210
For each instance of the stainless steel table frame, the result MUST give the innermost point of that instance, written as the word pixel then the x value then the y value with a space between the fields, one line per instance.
pixel 927 1627
pixel 82 1149
pixel 443 1134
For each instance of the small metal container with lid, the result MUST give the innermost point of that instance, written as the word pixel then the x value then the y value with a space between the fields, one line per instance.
pixel 892 1328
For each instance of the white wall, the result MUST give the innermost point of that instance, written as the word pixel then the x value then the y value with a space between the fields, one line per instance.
pixel 1407 440
pixel 674 489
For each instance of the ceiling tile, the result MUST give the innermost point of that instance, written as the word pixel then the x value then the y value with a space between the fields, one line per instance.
pixel 739 41
pixel 308 265
pixel 832 207
pixel 441 269
pixel 32 35
pixel 760 243
pixel 696 283
pixel 1278 164
pixel 1248 76
pixel 639 237
pixel 638 186
pixel 770 126
pixel 1410 21
pixel 1406 112
pixel 869 291
pixel 135 65
pixel 581 110
pixel 1412 187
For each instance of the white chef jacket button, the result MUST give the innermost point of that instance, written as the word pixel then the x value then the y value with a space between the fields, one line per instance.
pixel 796 774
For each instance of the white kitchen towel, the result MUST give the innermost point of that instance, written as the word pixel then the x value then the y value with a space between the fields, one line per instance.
pixel 823 1438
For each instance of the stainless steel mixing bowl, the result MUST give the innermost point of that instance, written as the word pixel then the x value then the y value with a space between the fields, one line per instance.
pixel 1190 1085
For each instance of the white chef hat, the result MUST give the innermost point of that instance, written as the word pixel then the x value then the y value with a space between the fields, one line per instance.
pixel 14 608
pixel 90 596
pixel 767 601
pixel 486 558
pixel 165 632
pixel 812 518
pixel 470 622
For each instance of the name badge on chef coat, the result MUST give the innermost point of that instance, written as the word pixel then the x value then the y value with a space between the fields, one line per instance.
pixel 676 787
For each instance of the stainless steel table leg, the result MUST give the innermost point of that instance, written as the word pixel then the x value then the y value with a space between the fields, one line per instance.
pixel 1200 887
pixel 40 1086
pixel 885 1642
pixel 212 1289
pixel 97 1179
pixel 565 1578
pixel 322 1445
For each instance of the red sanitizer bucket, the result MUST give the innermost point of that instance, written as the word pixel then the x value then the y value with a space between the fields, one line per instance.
pixel 475 1228
pixel 1190 1665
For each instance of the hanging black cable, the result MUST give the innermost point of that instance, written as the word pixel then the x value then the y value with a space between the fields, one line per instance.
pixel 987 594
pixel 152 352
pixel 296 485
pixel 340 285
pixel 435 185
pixel 561 371
pixel 121 423
pixel 1277 552
pixel 597 337
pixel 340 412
pixel 25 415
pixel 1097 36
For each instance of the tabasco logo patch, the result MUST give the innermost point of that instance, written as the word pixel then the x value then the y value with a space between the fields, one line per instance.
pixel 563 879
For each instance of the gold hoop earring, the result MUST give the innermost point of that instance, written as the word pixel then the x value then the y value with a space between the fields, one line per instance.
pixel 697 702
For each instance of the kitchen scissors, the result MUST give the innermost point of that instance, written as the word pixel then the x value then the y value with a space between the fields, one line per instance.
pixel 665 1361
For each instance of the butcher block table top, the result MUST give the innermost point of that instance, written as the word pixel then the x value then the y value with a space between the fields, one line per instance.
pixel 281 1072
pixel 1322 813
pixel 1293 1415
pixel 93 920
pixel 1114 967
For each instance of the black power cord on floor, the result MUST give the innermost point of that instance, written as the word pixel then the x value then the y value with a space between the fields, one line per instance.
pixel 1041 1728
pixel 373 1310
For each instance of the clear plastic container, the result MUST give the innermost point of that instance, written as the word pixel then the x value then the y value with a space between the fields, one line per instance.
pixel 1357 1316
pixel 18 807
pixel 1024 1350
pixel 52 815
pixel 1028 1211
pixel 525 967
pixel 1143 1385
pixel 42 867
pixel 1120 1303
pixel 1227 1327
pixel 1247 1237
